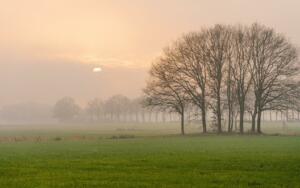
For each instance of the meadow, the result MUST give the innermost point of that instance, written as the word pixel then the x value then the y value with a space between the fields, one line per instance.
pixel 141 158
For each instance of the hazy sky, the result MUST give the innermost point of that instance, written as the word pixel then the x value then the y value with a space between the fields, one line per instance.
pixel 49 47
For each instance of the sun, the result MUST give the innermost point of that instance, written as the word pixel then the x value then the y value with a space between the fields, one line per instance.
pixel 97 69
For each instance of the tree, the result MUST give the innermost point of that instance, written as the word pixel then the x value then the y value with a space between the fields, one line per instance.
pixel 231 95
pixel 273 68
pixel 117 106
pixel 236 68
pixel 217 54
pixel 95 108
pixel 240 68
pixel 66 109
pixel 136 108
pixel 186 57
pixel 163 92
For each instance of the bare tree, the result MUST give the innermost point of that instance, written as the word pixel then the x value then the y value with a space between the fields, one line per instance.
pixel 240 68
pixel 186 58
pixel 136 108
pixel 163 92
pixel 273 66
pixel 66 109
pixel 231 88
pixel 237 68
pixel 95 108
pixel 117 106
pixel 217 53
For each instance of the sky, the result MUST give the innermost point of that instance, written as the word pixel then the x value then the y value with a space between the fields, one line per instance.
pixel 48 48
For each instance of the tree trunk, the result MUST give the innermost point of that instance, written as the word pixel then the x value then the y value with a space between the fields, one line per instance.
pixel 242 112
pixel 235 122
pixel 229 120
pixel 253 121
pixel 182 122
pixel 254 117
pixel 229 102
pixel 203 114
pixel 259 121
pixel 232 119
pixel 219 115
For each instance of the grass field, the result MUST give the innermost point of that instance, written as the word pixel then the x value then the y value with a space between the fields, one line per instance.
pixel 95 160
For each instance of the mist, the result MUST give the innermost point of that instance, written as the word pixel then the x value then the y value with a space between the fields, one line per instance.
pixel 48 49
pixel 149 93
pixel 50 53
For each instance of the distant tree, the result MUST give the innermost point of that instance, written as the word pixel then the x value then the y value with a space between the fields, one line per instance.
pixel 117 106
pixel 163 92
pixel 66 109
pixel 95 108
pixel 136 108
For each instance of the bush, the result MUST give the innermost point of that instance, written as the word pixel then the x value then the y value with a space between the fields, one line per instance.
pixel 122 137
pixel 57 138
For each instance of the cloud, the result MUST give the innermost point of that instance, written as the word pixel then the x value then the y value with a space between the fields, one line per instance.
pixel 110 62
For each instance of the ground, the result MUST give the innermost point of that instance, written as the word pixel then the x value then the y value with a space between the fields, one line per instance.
pixel 52 158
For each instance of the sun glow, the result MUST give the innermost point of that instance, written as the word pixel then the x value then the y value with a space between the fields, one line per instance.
pixel 97 69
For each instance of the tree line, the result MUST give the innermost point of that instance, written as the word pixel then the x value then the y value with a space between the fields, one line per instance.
pixel 117 108
pixel 226 71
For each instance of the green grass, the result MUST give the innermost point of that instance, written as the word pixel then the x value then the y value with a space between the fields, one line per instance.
pixel 171 161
